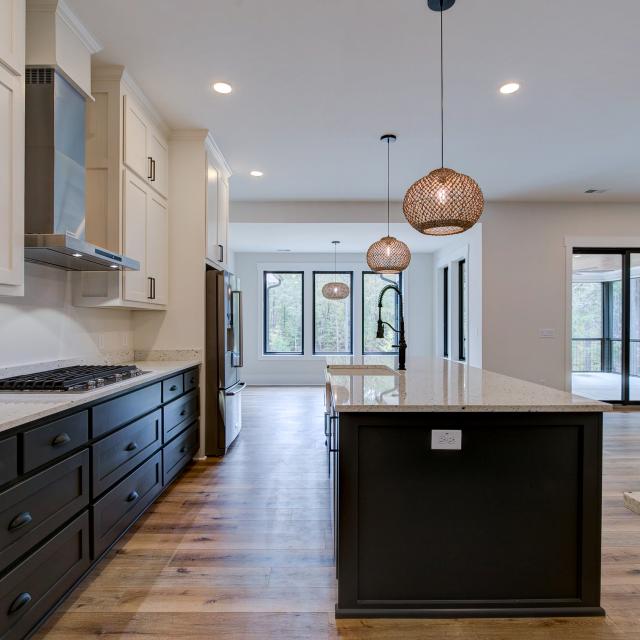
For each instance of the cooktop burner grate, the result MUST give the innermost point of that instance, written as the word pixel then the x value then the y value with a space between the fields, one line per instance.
pixel 77 378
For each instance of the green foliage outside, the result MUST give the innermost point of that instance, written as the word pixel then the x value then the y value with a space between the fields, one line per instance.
pixel 332 317
pixel 284 312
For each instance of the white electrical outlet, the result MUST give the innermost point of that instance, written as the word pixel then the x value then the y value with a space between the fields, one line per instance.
pixel 446 439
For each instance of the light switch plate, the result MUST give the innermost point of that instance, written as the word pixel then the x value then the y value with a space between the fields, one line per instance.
pixel 547 333
pixel 449 439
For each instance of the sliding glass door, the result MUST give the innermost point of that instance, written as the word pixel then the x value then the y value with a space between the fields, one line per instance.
pixel 606 324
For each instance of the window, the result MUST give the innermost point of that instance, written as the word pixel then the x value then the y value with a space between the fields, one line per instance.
pixel 462 310
pixel 372 285
pixel 445 312
pixel 332 319
pixel 283 312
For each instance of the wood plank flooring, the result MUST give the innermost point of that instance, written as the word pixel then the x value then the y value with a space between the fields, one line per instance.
pixel 241 548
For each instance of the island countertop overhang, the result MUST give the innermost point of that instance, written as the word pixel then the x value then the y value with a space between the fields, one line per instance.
pixel 441 386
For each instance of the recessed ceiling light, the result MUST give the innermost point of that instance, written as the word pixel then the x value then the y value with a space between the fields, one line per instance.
pixel 113 266
pixel 257 174
pixel 283 250
pixel 222 87
pixel 77 255
pixel 510 87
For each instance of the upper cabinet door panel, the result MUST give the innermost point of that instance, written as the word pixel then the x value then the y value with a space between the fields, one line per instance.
pixel 213 251
pixel 136 285
pixel 135 139
pixel 11 182
pixel 12 35
pixel 158 248
pixel 223 217
pixel 158 151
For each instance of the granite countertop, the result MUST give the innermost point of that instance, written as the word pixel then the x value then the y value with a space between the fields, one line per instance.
pixel 20 408
pixel 441 385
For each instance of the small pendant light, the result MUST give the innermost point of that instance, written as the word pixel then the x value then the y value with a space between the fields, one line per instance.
pixel 335 290
pixel 388 255
pixel 444 202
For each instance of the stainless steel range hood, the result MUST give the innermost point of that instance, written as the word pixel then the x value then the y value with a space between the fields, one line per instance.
pixel 55 178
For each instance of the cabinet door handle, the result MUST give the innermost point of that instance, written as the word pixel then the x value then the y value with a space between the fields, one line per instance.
pixel 23 599
pixel 153 170
pixel 150 176
pixel 221 247
pixel 154 287
pixel 134 495
pixel 21 520
pixel 132 446
pixel 60 439
pixel 150 279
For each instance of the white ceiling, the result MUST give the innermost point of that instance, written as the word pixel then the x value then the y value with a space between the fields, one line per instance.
pixel 316 237
pixel 317 81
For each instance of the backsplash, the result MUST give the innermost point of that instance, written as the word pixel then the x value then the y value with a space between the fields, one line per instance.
pixel 45 328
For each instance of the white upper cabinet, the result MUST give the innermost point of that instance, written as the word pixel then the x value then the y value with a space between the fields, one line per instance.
pixel 12 35
pixel 12 53
pixel 217 205
pixel 127 188
pixel 145 149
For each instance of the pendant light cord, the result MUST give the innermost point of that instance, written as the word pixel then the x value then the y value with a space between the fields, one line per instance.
pixel 388 181
pixel 441 90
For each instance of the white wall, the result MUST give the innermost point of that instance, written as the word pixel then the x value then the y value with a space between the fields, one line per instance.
pixel 44 326
pixel 308 369
pixel 525 281
pixel 468 247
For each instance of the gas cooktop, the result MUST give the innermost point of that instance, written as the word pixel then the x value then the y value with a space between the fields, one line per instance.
pixel 70 379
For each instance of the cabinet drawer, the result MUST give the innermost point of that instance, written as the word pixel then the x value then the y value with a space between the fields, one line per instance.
pixel 116 510
pixel 53 440
pixel 117 454
pixel 114 413
pixel 179 452
pixel 179 414
pixel 31 510
pixel 38 582
pixel 8 460
pixel 172 388
pixel 191 379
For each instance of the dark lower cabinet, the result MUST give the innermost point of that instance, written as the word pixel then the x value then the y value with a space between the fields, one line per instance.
pixel 72 484
pixel 120 507
pixel 33 509
pixel 179 452
pixel 32 587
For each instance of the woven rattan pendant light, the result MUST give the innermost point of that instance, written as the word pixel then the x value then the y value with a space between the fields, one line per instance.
pixel 444 202
pixel 388 255
pixel 335 290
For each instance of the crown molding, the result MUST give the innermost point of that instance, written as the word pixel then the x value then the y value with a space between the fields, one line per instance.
pixel 139 95
pixel 189 135
pixel 83 34
pixel 213 148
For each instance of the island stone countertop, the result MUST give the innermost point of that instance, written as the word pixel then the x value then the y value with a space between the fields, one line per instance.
pixel 371 384
pixel 20 408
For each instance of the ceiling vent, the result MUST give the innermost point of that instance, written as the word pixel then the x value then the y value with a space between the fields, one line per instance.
pixel 593 191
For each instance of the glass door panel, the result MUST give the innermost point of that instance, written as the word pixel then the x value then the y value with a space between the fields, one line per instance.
pixel 597 316
pixel 634 328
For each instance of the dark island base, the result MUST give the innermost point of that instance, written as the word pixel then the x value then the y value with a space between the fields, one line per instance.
pixel 508 526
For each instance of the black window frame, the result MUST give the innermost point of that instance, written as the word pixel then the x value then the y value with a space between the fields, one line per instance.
pixel 265 307
pixel 445 312
pixel 462 343
pixel 393 352
pixel 313 312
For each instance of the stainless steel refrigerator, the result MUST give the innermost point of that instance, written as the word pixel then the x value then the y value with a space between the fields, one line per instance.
pixel 223 361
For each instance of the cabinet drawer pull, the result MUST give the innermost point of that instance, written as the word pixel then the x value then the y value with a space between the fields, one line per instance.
pixel 173 387
pixel 21 520
pixel 184 449
pixel 132 446
pixel 134 495
pixel 183 412
pixel 60 439
pixel 23 599
pixel 192 380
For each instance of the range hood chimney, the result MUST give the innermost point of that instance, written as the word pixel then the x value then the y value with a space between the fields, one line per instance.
pixel 55 178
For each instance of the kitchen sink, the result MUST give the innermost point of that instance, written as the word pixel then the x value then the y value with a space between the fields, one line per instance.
pixel 361 370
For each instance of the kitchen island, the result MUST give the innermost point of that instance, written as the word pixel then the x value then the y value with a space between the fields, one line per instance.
pixel 461 492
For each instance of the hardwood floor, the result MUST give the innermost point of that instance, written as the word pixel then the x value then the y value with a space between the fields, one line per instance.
pixel 241 548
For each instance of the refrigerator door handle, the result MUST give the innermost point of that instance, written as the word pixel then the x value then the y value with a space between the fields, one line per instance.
pixel 236 389
pixel 240 322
